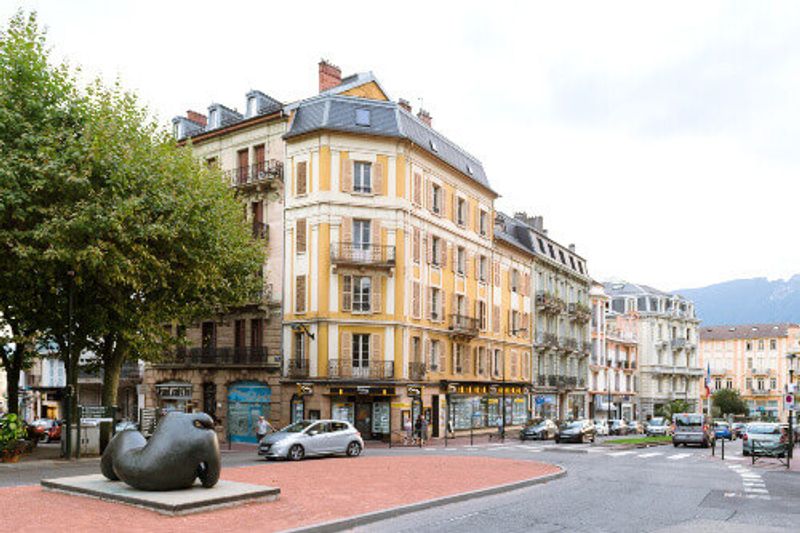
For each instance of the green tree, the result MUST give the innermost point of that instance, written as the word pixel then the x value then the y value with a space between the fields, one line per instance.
pixel 118 218
pixel 729 402
pixel 672 408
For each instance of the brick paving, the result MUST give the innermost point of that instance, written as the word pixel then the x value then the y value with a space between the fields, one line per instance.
pixel 312 491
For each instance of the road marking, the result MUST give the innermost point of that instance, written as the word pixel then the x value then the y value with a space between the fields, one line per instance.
pixel 757 491
pixel 678 456
pixel 617 454
pixel 651 454
pixel 757 496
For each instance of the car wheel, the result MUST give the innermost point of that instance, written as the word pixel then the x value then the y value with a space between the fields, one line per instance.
pixel 296 452
pixel 353 449
pixel 745 453
pixel 675 444
pixel 46 438
pixel 593 439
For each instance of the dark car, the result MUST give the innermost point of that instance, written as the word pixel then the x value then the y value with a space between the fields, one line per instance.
pixel 578 431
pixel 45 430
pixel 618 427
pixel 542 430
pixel 737 429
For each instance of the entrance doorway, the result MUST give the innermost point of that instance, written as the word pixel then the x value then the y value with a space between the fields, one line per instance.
pixel 247 400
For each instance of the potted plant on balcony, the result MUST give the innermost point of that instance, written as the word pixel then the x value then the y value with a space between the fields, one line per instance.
pixel 12 434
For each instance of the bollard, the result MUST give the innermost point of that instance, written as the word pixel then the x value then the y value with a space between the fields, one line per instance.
pixel 714 448
pixel 723 449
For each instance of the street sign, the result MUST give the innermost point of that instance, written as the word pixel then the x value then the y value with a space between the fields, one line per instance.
pixel 789 401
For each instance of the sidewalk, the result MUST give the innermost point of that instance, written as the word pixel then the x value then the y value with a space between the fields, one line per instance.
pixel 313 492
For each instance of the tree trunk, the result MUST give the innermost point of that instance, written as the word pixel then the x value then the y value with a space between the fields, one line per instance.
pixel 13 371
pixel 113 356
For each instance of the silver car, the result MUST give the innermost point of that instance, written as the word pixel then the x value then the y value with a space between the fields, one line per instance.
pixel 657 426
pixel 311 438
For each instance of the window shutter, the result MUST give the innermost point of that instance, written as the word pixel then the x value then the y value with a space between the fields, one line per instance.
pixel 429 302
pixel 377 178
pixel 346 182
pixel 347 231
pixel 477 265
pixel 301 235
pixel 347 293
pixel 428 249
pixel 440 306
pixel 454 207
pixel 376 347
pixel 416 244
pixel 375 236
pixel 301 178
pixel 300 294
pixel 375 285
pixel 430 195
pixel 416 302
pixel 417 188
pixel 346 349
pixel 427 355
pixel 467 213
pixel 443 254
pixel 496 274
pixel 496 319
pixel 477 219
pixel 452 251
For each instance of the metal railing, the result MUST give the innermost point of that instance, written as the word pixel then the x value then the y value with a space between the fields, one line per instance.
pixel 678 343
pixel 229 356
pixel 464 325
pixel 128 372
pixel 417 371
pixel 260 230
pixel 350 253
pixel 366 369
pixel 297 368
pixel 256 173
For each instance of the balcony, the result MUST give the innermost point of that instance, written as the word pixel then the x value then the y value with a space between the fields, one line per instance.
pixel 620 336
pixel 463 326
pixel 257 173
pixel 246 356
pixel 366 370
pixel 549 303
pixel 570 345
pixel 541 380
pixel 297 368
pixel 761 392
pixel 762 372
pixel 362 254
pixel 417 371
pixel 579 312
pixel 678 343
pixel 130 371
pixel 260 230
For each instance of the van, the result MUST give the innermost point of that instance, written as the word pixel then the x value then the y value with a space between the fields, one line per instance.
pixel 693 428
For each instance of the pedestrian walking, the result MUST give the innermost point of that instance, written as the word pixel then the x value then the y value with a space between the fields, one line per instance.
pixel 262 428
pixel 422 429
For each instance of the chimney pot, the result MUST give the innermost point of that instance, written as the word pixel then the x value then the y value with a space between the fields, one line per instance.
pixel 404 104
pixel 425 117
pixel 197 118
pixel 329 75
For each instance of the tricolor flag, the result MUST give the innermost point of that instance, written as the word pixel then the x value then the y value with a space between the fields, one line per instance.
pixel 708 379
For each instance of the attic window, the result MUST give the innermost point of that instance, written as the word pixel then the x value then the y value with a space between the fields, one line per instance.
pixel 433 146
pixel 213 119
pixel 362 117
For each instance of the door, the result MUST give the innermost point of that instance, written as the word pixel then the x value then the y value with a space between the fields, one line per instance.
pixel 316 439
pixel 364 419
pixel 435 427
pixel 247 400
pixel 361 239
pixel 340 436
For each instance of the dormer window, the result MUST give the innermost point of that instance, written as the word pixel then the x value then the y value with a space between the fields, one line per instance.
pixel 177 130
pixel 213 119
pixel 362 117
pixel 251 106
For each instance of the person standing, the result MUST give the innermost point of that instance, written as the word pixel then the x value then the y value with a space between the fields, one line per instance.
pixel 262 428
pixel 423 429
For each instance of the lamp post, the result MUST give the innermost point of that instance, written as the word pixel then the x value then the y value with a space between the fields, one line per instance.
pixel 790 389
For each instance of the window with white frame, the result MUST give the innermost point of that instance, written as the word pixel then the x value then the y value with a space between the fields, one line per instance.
pixel 362 237
pixel 483 268
pixel 483 315
pixel 362 177
pixel 461 260
pixel 299 348
pixel 481 362
pixel 514 280
pixel 436 250
pixel 461 211
pixel 497 362
pixel 458 358
pixel 437 200
pixel 360 350
pixel 436 354
pixel 362 290
pixel 436 297
pixel 484 223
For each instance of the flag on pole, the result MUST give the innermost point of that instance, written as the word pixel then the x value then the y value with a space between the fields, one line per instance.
pixel 708 379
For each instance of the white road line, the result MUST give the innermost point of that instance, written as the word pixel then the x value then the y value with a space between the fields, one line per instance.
pixel 651 454
pixel 617 454
pixel 678 456
pixel 756 491
pixel 757 496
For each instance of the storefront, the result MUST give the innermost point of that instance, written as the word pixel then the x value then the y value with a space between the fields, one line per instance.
pixel 369 409
pixel 174 396
pixel 476 406
pixel 546 406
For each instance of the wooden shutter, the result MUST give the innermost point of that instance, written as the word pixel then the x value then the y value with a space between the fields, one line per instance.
pixel 417 197
pixel 346 181
pixel 476 261
pixel 301 178
pixel 476 220
pixel 376 347
pixel 417 237
pixel 428 248
pixel 443 253
pixel 496 273
pixel 429 195
pixel 259 157
pixel 445 203
pixel 347 231
pixel 452 251
pixel 427 354
pixel 526 318
pixel 377 178
pixel 300 233
pixel 375 295
pixel 346 349
pixel 375 236
pixel 347 293
pixel 300 294
pixel 467 212
pixel 428 302
pixel 440 306
pixel 496 319
pixel 416 300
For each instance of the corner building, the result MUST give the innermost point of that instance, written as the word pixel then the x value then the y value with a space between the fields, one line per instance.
pixel 396 301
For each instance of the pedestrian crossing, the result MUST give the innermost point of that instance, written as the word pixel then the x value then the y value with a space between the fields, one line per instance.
pixel 752 483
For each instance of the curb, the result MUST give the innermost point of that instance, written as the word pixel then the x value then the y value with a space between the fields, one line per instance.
pixel 376 516
pixel 39 463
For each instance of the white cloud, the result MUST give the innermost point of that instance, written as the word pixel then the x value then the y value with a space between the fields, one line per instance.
pixel 659 138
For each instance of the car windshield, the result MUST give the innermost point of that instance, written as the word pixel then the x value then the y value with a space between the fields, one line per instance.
pixel 689 420
pixel 573 425
pixel 721 425
pixel 764 429
pixel 657 422
pixel 297 427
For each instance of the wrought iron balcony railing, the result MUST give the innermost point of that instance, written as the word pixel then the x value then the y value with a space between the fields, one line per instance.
pixel 364 369
pixel 297 368
pixel 463 325
pixel 350 253
pixel 255 356
pixel 256 173
pixel 678 343
pixel 417 371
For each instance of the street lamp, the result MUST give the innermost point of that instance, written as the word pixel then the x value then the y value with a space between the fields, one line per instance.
pixel 790 390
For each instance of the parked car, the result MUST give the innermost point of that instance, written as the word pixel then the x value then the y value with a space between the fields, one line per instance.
pixel 541 430
pixel 658 426
pixel 312 437
pixel 635 428
pixel 577 431
pixel 618 427
pixel 601 427
pixel 45 429
pixel 738 429
pixel 764 438
pixel 722 430
pixel 693 428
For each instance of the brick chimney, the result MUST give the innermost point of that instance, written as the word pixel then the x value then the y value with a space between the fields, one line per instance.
pixel 329 75
pixel 197 118
pixel 425 117
pixel 403 103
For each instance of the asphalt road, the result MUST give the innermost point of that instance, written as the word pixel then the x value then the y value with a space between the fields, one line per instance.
pixel 640 490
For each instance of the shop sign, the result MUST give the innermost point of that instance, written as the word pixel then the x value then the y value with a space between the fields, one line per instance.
pixel 362 390
pixel 414 390
pixel 452 388
pixel 493 389
pixel 305 389
pixel 401 405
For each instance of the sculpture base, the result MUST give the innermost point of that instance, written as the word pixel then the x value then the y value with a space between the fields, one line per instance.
pixel 174 502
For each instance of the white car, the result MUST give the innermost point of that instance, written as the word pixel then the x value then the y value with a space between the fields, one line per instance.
pixel 601 427
pixel 308 438
pixel 658 426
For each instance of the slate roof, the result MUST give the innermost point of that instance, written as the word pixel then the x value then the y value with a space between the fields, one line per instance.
pixel 614 288
pixel 745 331
pixel 388 119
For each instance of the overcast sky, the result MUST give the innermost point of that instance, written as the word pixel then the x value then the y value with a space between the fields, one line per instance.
pixel 660 138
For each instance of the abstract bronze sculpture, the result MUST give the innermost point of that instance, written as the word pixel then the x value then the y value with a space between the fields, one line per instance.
pixel 183 447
